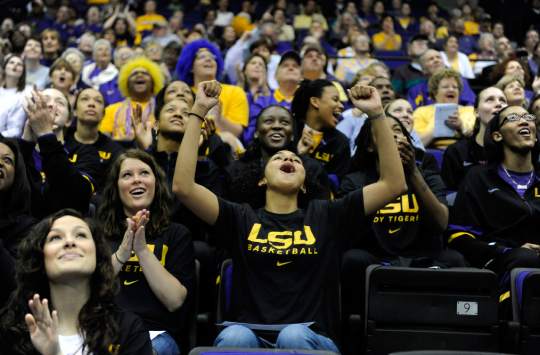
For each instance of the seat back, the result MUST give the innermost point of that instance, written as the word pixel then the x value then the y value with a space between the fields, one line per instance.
pixel 444 352
pixel 439 309
pixel 525 291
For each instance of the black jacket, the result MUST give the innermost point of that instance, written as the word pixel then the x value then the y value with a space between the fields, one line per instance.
pixel 458 159
pixel 489 216
pixel 59 179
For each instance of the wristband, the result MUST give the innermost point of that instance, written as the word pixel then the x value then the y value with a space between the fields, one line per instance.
pixel 377 117
pixel 118 259
pixel 196 115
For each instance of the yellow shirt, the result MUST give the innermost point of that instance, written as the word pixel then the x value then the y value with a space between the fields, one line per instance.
pixel 386 43
pixel 234 104
pixel 472 28
pixel 116 122
pixel 424 122
pixel 146 23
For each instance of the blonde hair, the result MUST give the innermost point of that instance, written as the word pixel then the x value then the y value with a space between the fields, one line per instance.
pixel 435 80
pixel 153 69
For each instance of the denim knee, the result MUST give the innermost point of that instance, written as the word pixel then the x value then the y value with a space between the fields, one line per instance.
pixel 237 336
pixel 164 344
pixel 295 336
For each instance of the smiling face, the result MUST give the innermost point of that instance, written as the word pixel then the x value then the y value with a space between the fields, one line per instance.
pixel 519 135
pixel 204 65
pixel 447 91
pixel 69 251
pixel 90 107
pixel 32 49
pixel 14 67
pixel 7 167
pixel 136 185
pixel 490 100
pixel 431 61
pixel 285 172
pixel 403 111
pixel 452 45
pixel 329 107
pixel 275 128
pixel 515 93
pixel 179 90
pixel 173 118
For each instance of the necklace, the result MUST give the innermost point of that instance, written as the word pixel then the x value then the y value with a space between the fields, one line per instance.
pixel 519 186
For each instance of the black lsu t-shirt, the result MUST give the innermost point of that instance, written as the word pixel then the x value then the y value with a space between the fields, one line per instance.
pixel 402 227
pixel 174 249
pixel 286 266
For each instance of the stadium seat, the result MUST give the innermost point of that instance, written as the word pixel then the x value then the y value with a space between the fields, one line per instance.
pixel 442 309
pixel 188 340
pixel 525 290
pixel 224 290
pixel 240 351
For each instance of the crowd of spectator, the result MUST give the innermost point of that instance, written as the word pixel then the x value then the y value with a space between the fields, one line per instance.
pixel 303 140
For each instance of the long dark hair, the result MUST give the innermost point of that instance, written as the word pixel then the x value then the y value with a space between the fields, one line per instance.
pixel 301 101
pixel 21 83
pixel 111 212
pixel 16 201
pixel 96 318
pixel 495 151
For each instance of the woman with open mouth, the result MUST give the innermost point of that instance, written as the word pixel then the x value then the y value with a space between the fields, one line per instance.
pixel 316 109
pixel 496 215
pixel 153 257
pixel 286 269
pixel 445 87
pixel 64 300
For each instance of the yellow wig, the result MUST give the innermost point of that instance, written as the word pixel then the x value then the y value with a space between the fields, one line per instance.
pixel 140 62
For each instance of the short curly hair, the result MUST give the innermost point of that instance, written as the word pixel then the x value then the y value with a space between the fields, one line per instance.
pixel 184 66
pixel 149 65
pixel 435 80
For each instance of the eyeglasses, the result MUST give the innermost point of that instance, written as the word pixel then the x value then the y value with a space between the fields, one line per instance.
pixel 514 117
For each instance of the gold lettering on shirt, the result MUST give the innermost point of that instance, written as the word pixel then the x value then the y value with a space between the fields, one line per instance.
pixel 133 261
pixel 73 158
pixel 536 192
pixel 282 242
pixel 323 156
pixel 104 155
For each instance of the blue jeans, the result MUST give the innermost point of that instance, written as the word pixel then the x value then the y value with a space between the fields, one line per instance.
pixel 164 344
pixel 294 336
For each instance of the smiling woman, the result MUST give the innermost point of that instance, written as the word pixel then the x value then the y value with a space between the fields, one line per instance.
pixel 65 290
pixel 316 109
pixel 153 257
pixel 12 93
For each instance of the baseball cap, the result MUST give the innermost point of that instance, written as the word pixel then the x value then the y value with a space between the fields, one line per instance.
pixel 290 55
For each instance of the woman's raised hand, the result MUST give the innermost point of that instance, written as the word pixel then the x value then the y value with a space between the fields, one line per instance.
pixel 367 100
pixel 207 96
pixel 40 119
pixel 142 130
pixel 42 325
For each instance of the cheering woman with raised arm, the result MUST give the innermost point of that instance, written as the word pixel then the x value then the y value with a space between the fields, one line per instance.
pixel 286 259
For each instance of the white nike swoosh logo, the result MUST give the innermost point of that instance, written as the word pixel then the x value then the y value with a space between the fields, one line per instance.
pixel 279 263
pixel 467 163
pixel 493 190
